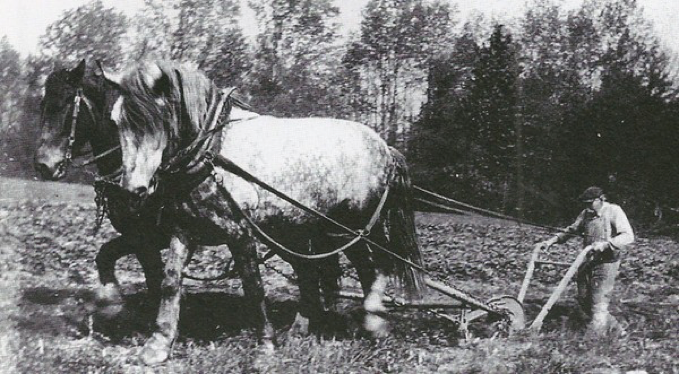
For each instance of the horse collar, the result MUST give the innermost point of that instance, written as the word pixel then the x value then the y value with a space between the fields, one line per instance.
pixel 195 160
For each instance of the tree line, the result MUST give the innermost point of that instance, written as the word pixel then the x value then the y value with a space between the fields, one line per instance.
pixel 516 115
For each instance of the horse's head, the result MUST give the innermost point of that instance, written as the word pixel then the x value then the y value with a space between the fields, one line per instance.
pixel 160 108
pixel 57 108
pixel 67 116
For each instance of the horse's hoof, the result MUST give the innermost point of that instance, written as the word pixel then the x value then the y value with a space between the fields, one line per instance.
pixel 267 347
pixel 108 301
pixel 155 351
pixel 373 304
pixel 300 327
pixel 376 326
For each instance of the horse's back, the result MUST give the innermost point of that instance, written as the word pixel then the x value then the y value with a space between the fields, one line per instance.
pixel 316 160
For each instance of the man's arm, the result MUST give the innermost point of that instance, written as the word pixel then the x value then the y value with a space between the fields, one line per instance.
pixel 624 235
pixel 567 233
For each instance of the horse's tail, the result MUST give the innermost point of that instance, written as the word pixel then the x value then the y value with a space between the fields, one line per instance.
pixel 400 227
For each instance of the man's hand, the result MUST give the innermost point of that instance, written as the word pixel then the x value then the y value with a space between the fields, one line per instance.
pixel 600 246
pixel 547 243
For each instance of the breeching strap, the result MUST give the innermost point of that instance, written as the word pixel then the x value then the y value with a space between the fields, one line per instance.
pixel 231 167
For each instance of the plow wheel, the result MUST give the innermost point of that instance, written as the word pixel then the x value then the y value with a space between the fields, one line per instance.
pixel 507 318
pixel 512 309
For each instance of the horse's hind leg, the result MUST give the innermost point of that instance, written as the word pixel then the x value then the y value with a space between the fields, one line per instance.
pixel 157 349
pixel 373 281
pixel 245 257
pixel 310 307
pixel 108 297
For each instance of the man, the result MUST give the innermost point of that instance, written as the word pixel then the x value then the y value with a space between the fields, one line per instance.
pixel 605 227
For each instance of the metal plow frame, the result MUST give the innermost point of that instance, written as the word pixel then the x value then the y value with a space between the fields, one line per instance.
pixel 505 306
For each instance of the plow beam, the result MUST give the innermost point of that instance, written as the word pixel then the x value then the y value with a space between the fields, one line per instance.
pixel 505 306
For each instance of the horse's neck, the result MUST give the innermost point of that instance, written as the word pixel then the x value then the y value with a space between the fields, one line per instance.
pixel 101 136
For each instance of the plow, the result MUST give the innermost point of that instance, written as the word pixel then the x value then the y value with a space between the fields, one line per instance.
pixel 470 308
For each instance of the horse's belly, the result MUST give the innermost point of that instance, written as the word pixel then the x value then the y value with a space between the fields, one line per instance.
pixel 208 214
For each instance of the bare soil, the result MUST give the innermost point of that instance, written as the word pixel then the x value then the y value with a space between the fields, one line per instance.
pixel 48 274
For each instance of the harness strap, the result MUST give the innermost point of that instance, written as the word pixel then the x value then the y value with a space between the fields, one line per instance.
pixel 231 167
pixel 271 241
pixel 80 97
pixel 173 165
pixel 96 158
pixel 90 106
pixel 74 121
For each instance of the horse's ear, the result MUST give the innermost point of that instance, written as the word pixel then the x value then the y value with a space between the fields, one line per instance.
pixel 78 72
pixel 112 78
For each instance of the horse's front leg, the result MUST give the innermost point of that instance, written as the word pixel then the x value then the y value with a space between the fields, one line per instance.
pixel 158 348
pixel 108 296
pixel 245 257
pixel 152 264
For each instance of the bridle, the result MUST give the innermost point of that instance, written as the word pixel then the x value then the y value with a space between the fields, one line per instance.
pixel 80 97
pixel 74 121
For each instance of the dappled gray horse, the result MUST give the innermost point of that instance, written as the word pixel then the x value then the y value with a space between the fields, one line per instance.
pixel 339 168
pixel 75 111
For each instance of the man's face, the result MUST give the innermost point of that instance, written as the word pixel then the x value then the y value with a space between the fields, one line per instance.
pixel 594 204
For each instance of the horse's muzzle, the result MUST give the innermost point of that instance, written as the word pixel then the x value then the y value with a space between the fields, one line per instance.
pixel 51 173
pixel 137 198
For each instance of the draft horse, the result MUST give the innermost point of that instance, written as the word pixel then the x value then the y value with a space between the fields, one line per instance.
pixel 75 111
pixel 342 169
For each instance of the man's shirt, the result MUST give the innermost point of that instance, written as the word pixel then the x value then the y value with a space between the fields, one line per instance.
pixel 610 225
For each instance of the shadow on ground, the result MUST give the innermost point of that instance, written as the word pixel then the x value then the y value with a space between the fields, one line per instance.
pixel 204 316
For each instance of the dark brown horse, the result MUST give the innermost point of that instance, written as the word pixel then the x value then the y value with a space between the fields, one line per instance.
pixel 75 111
pixel 339 168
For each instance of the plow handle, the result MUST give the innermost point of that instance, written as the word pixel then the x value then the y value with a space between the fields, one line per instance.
pixel 529 272
pixel 537 323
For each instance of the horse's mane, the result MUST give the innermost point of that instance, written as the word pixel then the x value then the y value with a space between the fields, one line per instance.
pixel 168 97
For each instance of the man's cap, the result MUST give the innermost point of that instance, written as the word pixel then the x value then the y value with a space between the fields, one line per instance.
pixel 591 193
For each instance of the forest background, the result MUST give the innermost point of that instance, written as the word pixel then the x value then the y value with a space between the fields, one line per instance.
pixel 517 117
